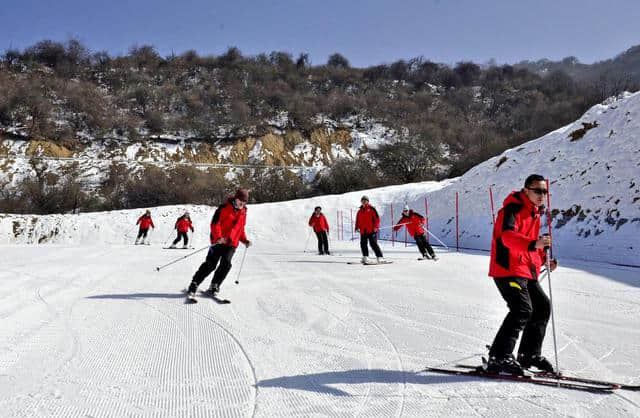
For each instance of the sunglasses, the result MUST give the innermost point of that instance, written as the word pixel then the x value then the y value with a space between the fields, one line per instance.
pixel 538 191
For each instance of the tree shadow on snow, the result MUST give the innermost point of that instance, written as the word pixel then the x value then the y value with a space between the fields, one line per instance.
pixel 134 296
pixel 320 382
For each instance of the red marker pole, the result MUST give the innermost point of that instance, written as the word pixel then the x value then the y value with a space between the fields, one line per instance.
pixel 426 215
pixel 352 232
pixel 457 246
pixel 549 217
pixel 493 217
pixel 393 233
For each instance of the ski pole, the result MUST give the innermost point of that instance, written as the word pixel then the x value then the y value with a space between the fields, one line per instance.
pixel 393 226
pixel 166 240
pixel 553 321
pixel 307 241
pixel 181 258
pixel 241 264
pixel 445 245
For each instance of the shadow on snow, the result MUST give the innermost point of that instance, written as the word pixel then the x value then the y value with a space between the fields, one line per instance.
pixel 320 382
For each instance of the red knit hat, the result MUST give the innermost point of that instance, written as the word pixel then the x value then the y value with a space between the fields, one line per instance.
pixel 242 194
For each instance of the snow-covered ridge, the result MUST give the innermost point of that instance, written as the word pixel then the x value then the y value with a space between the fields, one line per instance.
pixel 595 198
pixel 308 154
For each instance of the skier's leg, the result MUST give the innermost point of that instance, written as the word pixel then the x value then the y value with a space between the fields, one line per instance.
pixel 325 242
pixel 227 253
pixel 185 237
pixel 205 268
pixel 175 241
pixel 373 241
pixel 430 249
pixel 363 245
pixel 514 291
pixel 319 236
pixel 420 242
pixel 533 335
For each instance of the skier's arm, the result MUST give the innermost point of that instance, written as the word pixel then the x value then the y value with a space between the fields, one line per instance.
pixel 397 226
pixel 376 220
pixel 216 231
pixel 138 221
pixel 511 236
pixel 311 221
pixel 152 225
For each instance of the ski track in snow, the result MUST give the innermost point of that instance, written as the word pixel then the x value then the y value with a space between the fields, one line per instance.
pixel 304 336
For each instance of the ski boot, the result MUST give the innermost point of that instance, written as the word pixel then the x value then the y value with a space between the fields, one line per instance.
pixel 505 365
pixel 536 360
pixel 213 289
pixel 365 260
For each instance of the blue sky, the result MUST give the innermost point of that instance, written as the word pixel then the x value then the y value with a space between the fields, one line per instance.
pixel 366 32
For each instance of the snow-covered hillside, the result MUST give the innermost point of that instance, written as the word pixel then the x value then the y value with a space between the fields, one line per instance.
pixel 595 185
pixel 349 138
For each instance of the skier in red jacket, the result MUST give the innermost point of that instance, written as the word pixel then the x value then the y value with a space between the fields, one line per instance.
pixel 145 222
pixel 321 227
pixel 517 252
pixel 414 222
pixel 183 225
pixel 368 224
pixel 227 230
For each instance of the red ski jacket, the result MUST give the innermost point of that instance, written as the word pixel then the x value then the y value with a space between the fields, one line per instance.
pixel 367 219
pixel 184 224
pixel 228 222
pixel 319 223
pixel 517 228
pixel 145 222
pixel 413 221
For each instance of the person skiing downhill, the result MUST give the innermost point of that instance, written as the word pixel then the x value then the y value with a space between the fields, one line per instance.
pixel 227 230
pixel 145 223
pixel 183 224
pixel 414 223
pixel 368 225
pixel 321 227
pixel 517 252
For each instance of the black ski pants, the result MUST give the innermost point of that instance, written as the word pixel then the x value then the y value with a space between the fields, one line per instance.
pixel 218 252
pixel 323 242
pixel 372 239
pixel 529 310
pixel 423 245
pixel 142 233
pixel 181 235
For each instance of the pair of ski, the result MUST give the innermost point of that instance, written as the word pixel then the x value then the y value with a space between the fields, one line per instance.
pixel 370 263
pixel 177 248
pixel 538 378
pixel 215 298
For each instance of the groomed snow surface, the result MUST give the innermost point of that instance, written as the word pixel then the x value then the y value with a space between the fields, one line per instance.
pixel 94 331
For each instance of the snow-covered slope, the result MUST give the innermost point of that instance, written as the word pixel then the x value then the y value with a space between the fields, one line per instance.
pixel 595 185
